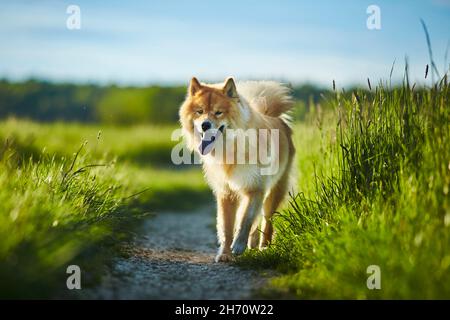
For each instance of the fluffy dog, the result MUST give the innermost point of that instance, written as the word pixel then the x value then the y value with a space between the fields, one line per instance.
pixel 227 123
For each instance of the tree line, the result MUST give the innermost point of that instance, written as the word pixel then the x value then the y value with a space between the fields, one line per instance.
pixel 46 101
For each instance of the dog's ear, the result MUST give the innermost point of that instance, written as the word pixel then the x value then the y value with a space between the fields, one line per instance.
pixel 229 89
pixel 194 86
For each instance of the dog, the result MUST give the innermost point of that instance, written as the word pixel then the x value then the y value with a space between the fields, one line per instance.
pixel 226 112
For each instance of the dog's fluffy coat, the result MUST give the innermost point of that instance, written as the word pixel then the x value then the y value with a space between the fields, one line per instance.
pixel 242 192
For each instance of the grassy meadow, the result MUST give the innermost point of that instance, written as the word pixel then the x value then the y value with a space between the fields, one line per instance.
pixel 374 183
pixel 71 193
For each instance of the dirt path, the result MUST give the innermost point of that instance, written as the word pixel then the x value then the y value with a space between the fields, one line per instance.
pixel 173 259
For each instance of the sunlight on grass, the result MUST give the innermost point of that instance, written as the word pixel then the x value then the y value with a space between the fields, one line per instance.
pixel 144 145
pixel 59 206
pixel 384 202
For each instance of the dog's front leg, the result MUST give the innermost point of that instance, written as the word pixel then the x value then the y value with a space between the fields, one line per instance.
pixel 249 209
pixel 226 212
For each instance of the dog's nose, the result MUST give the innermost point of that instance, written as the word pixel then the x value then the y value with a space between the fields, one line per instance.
pixel 206 125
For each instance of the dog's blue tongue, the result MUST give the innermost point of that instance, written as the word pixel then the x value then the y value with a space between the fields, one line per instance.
pixel 207 143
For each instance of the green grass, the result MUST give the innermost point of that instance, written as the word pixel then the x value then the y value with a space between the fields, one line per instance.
pixel 377 194
pixel 140 154
pixel 61 204
pixel 140 145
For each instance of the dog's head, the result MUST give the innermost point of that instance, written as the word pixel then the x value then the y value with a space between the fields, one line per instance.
pixel 207 112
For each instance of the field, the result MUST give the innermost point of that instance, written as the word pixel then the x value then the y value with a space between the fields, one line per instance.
pixel 378 194
pixel 373 180
pixel 72 191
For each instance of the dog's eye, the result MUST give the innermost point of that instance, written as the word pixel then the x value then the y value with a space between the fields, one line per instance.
pixel 219 113
pixel 200 111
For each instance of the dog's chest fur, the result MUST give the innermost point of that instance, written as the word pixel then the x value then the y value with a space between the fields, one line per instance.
pixel 234 177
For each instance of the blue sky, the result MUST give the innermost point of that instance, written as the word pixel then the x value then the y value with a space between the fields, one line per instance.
pixel 145 42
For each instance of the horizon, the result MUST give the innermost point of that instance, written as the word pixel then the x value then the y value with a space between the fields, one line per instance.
pixel 295 43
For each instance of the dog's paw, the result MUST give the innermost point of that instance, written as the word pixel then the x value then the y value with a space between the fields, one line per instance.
pixel 223 257
pixel 238 248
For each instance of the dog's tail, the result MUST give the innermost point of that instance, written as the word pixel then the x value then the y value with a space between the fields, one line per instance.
pixel 267 97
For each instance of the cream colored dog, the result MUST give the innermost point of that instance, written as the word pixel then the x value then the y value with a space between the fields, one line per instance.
pixel 215 119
